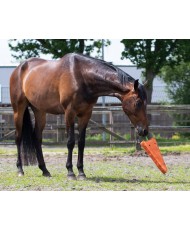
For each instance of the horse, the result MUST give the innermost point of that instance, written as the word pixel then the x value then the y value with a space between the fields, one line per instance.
pixel 71 86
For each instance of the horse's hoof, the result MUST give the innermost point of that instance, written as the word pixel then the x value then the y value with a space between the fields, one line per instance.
pixel 71 177
pixel 20 174
pixel 46 174
pixel 81 176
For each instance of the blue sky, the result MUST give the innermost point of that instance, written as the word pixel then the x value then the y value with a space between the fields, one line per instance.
pixel 112 53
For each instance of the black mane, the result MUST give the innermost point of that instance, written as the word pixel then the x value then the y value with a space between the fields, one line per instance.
pixel 123 77
pixel 142 92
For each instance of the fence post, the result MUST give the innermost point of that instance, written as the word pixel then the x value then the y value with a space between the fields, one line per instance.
pixel 135 138
pixel 132 132
pixel 60 130
pixel 0 94
pixel 1 125
pixel 103 119
pixel 111 124
pixel 137 143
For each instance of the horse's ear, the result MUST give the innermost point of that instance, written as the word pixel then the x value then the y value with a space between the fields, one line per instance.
pixel 136 85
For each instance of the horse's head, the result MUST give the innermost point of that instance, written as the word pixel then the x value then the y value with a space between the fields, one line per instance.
pixel 134 105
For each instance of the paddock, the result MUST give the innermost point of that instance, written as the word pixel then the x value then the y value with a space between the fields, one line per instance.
pixel 107 169
pixel 113 164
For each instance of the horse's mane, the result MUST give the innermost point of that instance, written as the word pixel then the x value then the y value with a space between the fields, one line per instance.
pixel 123 77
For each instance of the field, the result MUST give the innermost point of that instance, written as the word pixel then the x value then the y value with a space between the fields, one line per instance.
pixel 107 169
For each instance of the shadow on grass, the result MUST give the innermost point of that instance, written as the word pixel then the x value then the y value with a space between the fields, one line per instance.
pixel 133 181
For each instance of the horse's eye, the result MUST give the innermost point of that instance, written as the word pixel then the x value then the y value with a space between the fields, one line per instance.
pixel 138 104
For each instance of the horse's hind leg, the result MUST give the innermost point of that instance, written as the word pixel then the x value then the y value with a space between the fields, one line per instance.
pixel 40 120
pixel 18 120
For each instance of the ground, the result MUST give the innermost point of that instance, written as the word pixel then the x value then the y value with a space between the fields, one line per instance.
pixel 105 170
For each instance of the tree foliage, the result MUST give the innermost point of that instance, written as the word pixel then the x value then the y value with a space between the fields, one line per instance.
pixel 57 48
pixel 153 54
pixel 150 53
pixel 178 82
pixel 178 85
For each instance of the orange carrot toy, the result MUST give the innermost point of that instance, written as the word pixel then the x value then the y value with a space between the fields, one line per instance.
pixel 153 151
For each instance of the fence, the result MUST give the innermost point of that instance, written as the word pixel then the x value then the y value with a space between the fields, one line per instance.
pixel 165 121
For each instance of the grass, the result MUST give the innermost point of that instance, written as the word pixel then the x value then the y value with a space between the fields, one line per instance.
pixel 102 176
pixel 120 151
pixel 107 169
pixel 106 151
pixel 177 148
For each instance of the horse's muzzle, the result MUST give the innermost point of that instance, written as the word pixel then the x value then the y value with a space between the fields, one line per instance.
pixel 142 132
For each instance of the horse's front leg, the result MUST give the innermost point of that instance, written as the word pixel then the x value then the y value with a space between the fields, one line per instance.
pixel 81 145
pixel 70 146
pixel 82 122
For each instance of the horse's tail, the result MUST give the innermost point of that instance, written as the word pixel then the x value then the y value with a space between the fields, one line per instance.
pixel 28 152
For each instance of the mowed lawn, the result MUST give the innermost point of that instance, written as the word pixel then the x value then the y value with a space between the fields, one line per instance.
pixel 107 169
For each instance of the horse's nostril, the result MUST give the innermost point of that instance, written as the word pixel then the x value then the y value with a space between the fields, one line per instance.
pixel 142 132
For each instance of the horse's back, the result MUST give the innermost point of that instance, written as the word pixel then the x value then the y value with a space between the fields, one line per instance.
pixel 50 85
pixel 39 81
pixel 26 65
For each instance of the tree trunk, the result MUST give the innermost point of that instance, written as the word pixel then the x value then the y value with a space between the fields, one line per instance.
pixel 149 87
pixel 81 45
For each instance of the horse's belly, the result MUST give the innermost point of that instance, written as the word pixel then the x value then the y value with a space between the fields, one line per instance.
pixel 55 110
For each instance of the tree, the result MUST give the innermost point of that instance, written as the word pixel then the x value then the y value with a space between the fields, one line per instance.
pixel 178 82
pixel 27 48
pixel 153 54
pixel 178 85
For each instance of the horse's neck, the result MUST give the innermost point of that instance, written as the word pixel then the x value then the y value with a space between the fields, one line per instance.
pixel 107 86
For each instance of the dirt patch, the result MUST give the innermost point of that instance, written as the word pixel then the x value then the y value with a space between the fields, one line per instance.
pixel 53 158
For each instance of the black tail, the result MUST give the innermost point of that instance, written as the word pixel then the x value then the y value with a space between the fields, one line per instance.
pixel 28 152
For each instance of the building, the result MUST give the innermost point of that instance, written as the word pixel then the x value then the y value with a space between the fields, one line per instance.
pixel 5 73
pixel 159 87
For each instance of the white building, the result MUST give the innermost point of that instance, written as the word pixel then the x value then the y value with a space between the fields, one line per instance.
pixel 5 73
pixel 159 87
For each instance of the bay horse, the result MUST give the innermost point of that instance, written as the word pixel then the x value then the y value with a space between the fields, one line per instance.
pixel 70 86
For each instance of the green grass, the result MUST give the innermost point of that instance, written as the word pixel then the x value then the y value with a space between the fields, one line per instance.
pixel 177 148
pixel 107 169
pixel 7 150
pixel 107 151
pixel 102 176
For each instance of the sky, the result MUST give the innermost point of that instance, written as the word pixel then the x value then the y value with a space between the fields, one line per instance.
pixel 112 53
